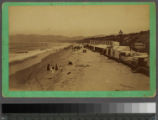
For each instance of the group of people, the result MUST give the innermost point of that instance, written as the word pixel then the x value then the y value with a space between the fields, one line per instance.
pixel 52 68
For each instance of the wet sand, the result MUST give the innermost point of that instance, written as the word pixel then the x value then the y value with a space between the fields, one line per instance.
pixel 89 71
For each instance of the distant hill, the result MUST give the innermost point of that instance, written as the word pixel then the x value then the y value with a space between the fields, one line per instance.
pixel 142 36
pixel 124 39
pixel 42 38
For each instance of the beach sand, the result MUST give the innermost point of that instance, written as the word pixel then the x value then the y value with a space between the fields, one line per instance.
pixel 89 71
pixel 25 72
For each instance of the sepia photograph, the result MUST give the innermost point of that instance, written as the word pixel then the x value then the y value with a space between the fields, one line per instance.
pixel 79 48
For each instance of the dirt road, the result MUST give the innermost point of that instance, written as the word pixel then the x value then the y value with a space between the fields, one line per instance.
pixel 89 71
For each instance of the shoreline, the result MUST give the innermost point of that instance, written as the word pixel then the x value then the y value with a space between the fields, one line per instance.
pixel 27 62
pixel 25 75
pixel 20 57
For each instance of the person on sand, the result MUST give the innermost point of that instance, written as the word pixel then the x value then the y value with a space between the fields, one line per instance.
pixel 56 67
pixel 48 67
pixel 52 69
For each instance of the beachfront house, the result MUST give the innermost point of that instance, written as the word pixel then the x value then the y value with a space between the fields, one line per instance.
pixel 120 49
pixel 112 51
pixel 138 46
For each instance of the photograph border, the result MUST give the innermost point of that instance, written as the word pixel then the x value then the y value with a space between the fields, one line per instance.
pixel 72 94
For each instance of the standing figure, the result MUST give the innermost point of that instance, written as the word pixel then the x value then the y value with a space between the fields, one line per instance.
pixel 48 67
pixel 56 67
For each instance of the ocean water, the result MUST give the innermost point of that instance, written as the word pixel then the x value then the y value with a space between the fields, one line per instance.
pixel 23 50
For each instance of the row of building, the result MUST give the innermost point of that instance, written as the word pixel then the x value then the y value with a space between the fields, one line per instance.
pixel 138 61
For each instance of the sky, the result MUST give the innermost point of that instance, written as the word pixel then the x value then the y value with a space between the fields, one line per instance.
pixel 88 20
